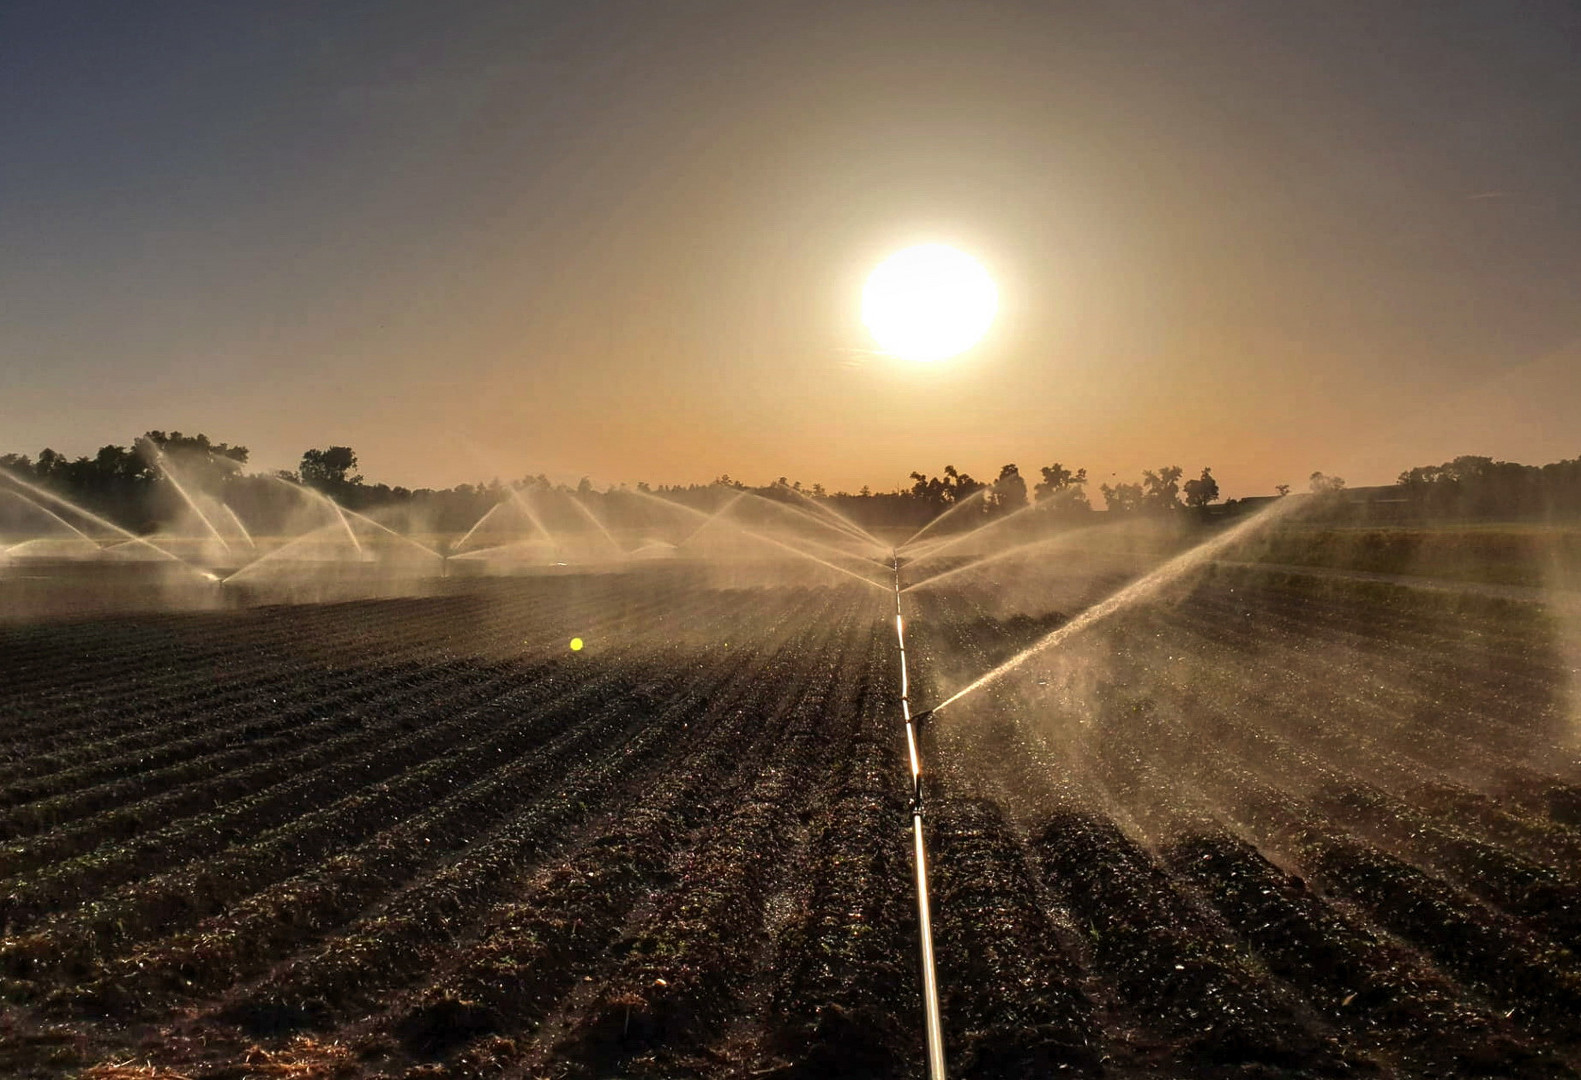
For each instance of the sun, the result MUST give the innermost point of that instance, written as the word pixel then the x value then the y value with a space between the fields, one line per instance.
pixel 929 302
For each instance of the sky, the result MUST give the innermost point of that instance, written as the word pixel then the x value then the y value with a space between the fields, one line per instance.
pixel 628 240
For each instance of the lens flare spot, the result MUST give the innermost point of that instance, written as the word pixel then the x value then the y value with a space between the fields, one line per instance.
pixel 576 644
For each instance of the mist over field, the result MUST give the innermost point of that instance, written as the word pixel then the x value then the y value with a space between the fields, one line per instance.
pixel 339 778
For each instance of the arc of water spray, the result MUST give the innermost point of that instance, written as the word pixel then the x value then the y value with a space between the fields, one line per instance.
pixel 334 508
pixel 963 504
pixel 515 498
pixel 599 525
pixel 984 560
pixel 841 552
pixel 365 519
pixel 995 523
pixel 45 510
pixel 797 551
pixel 521 501
pixel 707 518
pixel 844 523
pixel 715 519
pixel 130 536
pixel 340 513
pixel 476 525
pixel 507 546
pixel 280 552
pixel 169 474
pixel 1139 590
pixel 238 523
pixel 823 523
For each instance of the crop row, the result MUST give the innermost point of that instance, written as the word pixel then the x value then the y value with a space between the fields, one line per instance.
pixel 405 933
pixel 155 712
pixel 1151 760
pixel 502 746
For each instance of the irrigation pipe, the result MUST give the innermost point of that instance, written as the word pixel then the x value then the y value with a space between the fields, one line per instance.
pixel 930 980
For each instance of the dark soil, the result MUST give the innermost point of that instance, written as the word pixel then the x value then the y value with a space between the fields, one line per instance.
pixel 1271 827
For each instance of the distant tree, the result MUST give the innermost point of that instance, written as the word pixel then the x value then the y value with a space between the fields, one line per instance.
pixel 192 460
pixel 118 475
pixel 585 487
pixel 942 492
pixel 1056 478
pixel 965 486
pixel 1062 490
pixel 116 482
pixel 177 443
pixel 1203 490
pixel 1325 485
pixel 1162 488
pixel 1009 492
pixel 1282 489
pixel 330 468
pixel 48 464
pixel 1122 498
pixel 931 489
pixel 818 492
pixel 1482 487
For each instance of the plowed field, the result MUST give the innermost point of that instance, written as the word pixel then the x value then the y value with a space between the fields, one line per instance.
pixel 1275 826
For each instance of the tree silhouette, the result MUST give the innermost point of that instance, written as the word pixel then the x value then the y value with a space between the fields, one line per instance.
pixel 1122 498
pixel 942 492
pixel 1062 490
pixel 1162 488
pixel 1480 486
pixel 1325 485
pixel 1009 491
pixel 198 463
pixel 1282 489
pixel 330 468
pixel 1203 490
pixel 177 443
pixel 965 486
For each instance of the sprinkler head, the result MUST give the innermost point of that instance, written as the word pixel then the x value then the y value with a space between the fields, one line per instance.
pixel 921 718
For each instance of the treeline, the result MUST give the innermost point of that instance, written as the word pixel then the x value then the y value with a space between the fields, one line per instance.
pixel 132 485
pixel 1059 491
pixel 1480 487
pixel 125 483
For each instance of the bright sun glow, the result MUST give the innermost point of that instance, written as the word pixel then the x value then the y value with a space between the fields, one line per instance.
pixel 929 302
